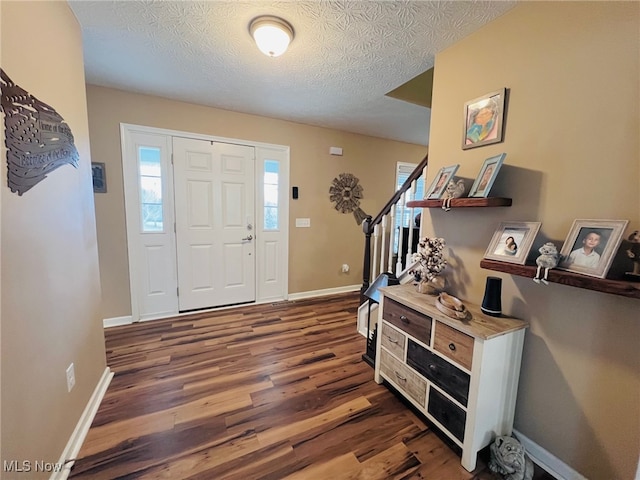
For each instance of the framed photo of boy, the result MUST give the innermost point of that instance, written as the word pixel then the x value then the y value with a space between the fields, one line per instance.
pixel 440 181
pixel 591 246
pixel 512 241
pixel 487 176
pixel 99 177
pixel 483 120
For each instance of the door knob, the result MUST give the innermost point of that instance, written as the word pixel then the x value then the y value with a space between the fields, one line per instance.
pixel 249 238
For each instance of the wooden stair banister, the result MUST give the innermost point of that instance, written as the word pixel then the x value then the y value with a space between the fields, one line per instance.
pixel 369 224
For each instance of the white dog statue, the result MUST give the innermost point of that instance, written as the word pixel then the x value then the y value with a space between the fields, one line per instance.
pixel 509 459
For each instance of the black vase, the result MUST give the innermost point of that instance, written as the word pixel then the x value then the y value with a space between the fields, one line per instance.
pixel 491 303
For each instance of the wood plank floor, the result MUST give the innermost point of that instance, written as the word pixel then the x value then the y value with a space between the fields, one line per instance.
pixel 257 392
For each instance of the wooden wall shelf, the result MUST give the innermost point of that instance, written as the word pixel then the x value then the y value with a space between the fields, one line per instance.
pixel 614 287
pixel 462 202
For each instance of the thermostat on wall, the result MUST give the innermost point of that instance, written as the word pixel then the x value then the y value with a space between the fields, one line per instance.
pixel 335 151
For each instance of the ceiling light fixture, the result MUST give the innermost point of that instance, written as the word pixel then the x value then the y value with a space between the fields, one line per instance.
pixel 271 34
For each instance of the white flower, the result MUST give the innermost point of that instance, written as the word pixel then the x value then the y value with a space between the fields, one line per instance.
pixel 430 257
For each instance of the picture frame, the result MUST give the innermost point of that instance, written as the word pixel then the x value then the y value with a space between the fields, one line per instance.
pixel 99 176
pixel 439 183
pixel 483 120
pixel 486 176
pixel 512 241
pixel 579 254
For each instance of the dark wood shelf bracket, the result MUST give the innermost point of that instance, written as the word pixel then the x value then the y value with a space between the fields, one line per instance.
pixel 614 287
pixel 462 202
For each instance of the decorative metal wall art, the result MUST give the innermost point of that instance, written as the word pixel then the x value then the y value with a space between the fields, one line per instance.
pixel 37 138
pixel 346 193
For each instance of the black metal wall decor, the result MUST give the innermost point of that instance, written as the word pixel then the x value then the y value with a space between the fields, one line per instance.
pixel 37 138
pixel 346 193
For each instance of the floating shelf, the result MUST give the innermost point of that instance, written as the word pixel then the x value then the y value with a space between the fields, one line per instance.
pixel 462 202
pixel 615 287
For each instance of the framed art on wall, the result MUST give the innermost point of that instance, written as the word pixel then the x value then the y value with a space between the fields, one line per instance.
pixel 512 241
pixel 591 245
pixel 483 120
pixel 487 175
pixel 440 182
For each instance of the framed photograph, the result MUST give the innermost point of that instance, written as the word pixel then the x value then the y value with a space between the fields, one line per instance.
pixel 440 182
pixel 591 245
pixel 483 120
pixel 512 241
pixel 99 175
pixel 487 176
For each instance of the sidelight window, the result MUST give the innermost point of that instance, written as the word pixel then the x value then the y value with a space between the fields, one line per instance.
pixel 270 198
pixel 150 177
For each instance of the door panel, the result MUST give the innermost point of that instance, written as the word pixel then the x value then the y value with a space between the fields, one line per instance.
pixel 148 186
pixel 214 198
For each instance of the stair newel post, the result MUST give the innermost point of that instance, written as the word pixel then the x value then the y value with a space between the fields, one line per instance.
pixel 366 266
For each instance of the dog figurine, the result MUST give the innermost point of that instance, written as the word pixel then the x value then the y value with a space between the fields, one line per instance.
pixel 509 459
pixel 547 260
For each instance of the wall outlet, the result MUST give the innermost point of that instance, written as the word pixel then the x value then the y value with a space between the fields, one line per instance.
pixel 345 268
pixel 71 377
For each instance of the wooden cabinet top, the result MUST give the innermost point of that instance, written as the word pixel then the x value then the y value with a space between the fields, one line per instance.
pixel 477 324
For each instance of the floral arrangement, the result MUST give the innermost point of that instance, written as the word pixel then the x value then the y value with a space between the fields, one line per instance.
pixel 430 256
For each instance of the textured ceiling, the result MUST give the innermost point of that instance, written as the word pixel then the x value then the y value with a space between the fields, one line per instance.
pixel 346 55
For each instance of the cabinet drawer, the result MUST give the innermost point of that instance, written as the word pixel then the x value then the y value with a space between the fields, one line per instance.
pixel 447 413
pixel 415 324
pixel 393 340
pixel 447 376
pixel 456 345
pixel 412 384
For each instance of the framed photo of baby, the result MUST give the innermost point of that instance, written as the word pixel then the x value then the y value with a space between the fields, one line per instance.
pixel 591 246
pixel 512 241
pixel 483 120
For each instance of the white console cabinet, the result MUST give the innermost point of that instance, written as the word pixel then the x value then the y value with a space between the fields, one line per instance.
pixel 461 374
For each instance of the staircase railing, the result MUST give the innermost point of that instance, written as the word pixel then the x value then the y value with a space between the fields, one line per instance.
pixel 381 235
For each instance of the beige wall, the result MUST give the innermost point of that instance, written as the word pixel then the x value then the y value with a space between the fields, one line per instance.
pixel 315 254
pixel 50 278
pixel 572 143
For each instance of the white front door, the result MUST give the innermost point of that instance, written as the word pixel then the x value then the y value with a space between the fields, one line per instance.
pixel 151 239
pixel 215 223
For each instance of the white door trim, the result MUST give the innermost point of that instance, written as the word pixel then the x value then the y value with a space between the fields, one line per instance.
pixel 265 292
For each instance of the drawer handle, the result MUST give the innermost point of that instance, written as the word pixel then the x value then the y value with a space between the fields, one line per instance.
pixel 404 319
pixel 452 347
pixel 392 340
pixel 400 377
pixel 433 367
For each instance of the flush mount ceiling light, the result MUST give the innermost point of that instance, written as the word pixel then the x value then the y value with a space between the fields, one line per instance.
pixel 271 34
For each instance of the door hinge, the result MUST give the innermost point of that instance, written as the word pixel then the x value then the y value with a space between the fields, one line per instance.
pixel 178 291
pixel 174 227
pixel 171 158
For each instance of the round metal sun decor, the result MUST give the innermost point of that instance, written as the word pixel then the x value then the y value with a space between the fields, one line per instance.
pixel 346 193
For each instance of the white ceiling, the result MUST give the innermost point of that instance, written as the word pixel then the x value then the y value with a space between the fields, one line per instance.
pixel 346 55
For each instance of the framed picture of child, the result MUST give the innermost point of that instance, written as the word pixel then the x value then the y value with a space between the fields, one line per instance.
pixel 440 181
pixel 487 175
pixel 512 241
pixel 483 120
pixel 591 246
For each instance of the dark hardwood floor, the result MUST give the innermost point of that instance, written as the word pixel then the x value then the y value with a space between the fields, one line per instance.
pixel 256 392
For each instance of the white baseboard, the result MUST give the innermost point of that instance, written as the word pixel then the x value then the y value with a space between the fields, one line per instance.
pixel 326 291
pixel 80 432
pixel 117 321
pixel 547 461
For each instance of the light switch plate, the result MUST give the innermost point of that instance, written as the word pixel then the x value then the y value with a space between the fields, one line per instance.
pixel 303 222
